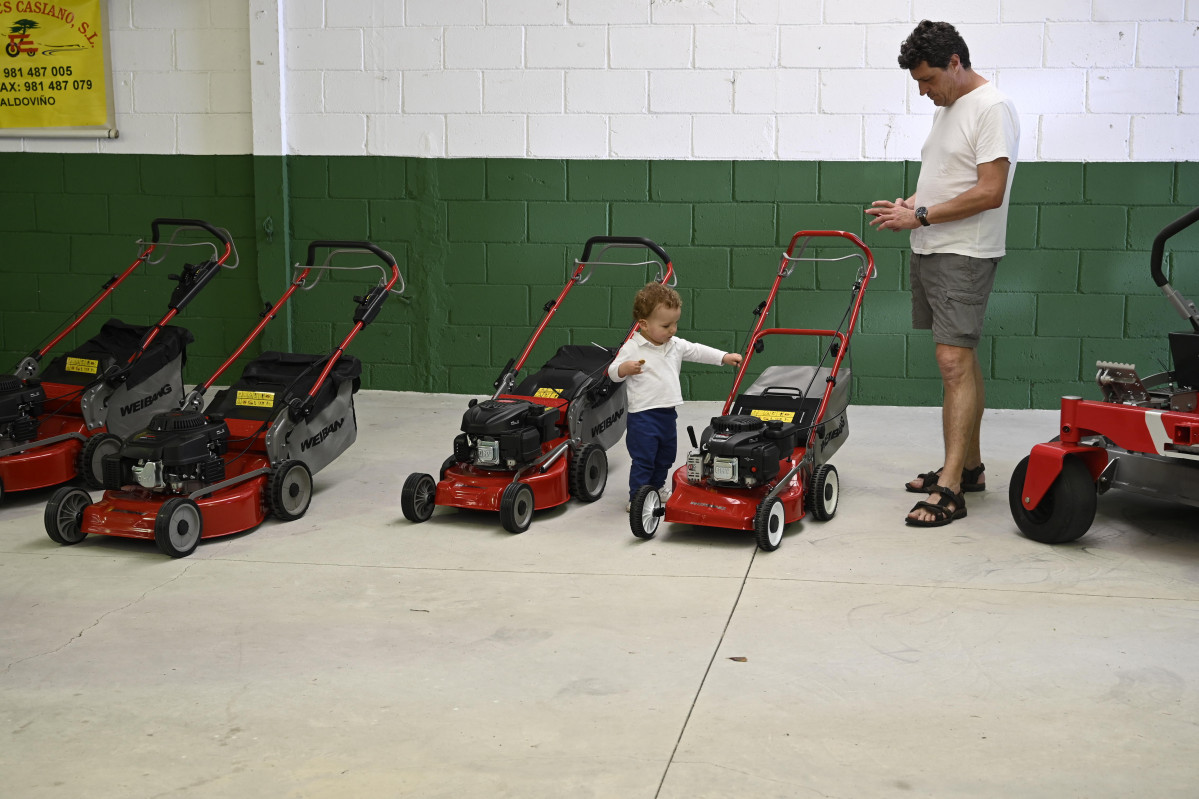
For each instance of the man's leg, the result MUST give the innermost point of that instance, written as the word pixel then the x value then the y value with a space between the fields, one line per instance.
pixel 961 417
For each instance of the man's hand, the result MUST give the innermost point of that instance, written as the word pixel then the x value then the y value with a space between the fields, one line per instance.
pixel 731 359
pixel 898 215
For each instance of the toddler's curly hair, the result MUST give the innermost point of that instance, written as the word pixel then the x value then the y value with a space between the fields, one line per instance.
pixel 653 295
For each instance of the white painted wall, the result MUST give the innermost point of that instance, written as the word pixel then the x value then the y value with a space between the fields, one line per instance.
pixel 1095 80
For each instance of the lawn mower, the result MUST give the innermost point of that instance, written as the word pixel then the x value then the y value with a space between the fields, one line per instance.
pixel 195 474
pixel 764 461
pixel 535 445
pixel 60 422
pixel 1143 437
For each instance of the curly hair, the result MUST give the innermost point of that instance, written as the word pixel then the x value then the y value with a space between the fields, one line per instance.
pixel 934 43
pixel 653 295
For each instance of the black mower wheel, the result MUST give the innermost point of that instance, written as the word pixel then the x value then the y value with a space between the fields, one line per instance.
pixel 64 515
pixel 516 507
pixel 589 473
pixel 769 522
pixel 1065 512
pixel 418 497
pixel 646 512
pixel 824 491
pixel 289 491
pixel 178 526
pixel 91 458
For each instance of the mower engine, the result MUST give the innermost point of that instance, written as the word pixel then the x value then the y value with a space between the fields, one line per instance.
pixel 180 451
pixel 741 451
pixel 21 403
pixel 504 433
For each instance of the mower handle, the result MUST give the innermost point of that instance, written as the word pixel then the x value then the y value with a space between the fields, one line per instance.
pixel 196 223
pixel 383 254
pixel 625 241
pixel 1159 243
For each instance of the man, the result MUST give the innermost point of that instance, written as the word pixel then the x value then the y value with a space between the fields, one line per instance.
pixel 958 219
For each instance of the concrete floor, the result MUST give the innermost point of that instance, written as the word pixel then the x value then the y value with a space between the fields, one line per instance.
pixel 353 654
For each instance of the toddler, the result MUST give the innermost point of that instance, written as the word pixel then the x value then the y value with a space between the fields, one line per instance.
pixel 653 358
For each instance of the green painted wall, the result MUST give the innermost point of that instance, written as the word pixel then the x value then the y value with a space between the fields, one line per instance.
pixel 485 243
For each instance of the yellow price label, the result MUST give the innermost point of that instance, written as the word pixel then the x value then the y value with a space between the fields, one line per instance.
pixel 84 365
pixel 256 399
pixel 774 416
pixel 548 393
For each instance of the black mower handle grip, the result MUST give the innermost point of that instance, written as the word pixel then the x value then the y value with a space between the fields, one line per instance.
pixel 628 241
pixel 384 255
pixel 200 223
pixel 1159 243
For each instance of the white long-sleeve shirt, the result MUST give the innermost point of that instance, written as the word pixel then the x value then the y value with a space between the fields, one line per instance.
pixel 658 384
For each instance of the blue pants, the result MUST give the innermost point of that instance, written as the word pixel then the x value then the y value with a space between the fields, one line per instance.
pixel 652 440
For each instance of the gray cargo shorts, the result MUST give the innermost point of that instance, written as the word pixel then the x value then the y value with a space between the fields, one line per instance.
pixel 949 296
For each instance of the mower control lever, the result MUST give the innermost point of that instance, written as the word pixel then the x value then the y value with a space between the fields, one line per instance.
pixel 691 435
pixel 368 306
pixel 191 282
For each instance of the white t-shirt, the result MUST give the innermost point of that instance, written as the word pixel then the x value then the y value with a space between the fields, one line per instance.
pixel 977 128
pixel 658 384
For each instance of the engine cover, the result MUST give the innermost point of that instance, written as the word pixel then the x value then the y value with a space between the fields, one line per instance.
pixel 21 402
pixel 505 433
pixel 741 453
pixel 179 447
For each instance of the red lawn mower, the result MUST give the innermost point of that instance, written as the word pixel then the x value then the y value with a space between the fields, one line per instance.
pixel 1142 437
pixel 764 461
pixel 536 445
pixel 196 474
pixel 60 422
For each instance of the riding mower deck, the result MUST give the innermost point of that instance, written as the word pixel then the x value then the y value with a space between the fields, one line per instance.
pixel 196 474
pixel 535 445
pixel 1143 437
pixel 763 463
pixel 59 422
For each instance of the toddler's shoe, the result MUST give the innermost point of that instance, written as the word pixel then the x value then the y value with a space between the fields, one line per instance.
pixel 628 507
pixel 664 493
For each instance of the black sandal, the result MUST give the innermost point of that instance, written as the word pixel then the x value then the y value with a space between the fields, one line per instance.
pixel 928 480
pixel 940 509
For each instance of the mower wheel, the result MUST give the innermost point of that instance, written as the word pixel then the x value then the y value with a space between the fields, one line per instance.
pixel 645 512
pixel 64 515
pixel 290 490
pixel 769 522
pixel 1065 512
pixel 824 491
pixel 516 507
pixel 417 499
pixel 91 458
pixel 589 473
pixel 178 526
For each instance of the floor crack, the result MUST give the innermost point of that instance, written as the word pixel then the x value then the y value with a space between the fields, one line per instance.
pixel 8 667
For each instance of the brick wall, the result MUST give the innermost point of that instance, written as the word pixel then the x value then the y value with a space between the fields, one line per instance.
pixel 484 243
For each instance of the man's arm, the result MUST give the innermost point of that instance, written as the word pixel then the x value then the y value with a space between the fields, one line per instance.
pixel 986 194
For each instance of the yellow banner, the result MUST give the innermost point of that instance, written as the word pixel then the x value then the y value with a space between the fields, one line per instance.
pixel 54 70
pixel 548 393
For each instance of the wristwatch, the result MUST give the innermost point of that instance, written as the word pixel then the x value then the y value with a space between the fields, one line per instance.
pixel 922 215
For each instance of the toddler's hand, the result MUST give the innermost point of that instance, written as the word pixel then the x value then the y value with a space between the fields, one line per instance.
pixel 630 368
pixel 731 359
